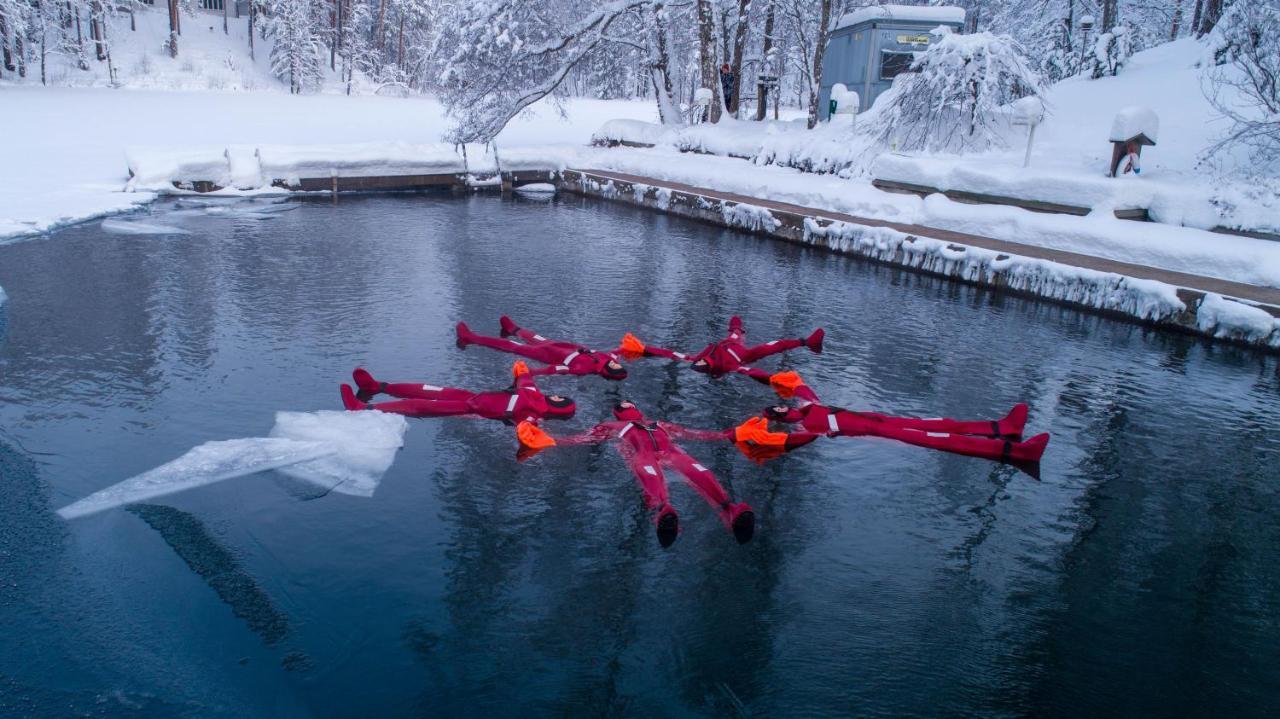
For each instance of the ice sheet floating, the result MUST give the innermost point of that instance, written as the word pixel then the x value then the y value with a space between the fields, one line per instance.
pixel 134 227
pixel 340 451
pixel 210 462
pixel 537 188
pixel 364 445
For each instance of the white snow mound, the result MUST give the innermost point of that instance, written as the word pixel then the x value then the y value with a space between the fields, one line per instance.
pixel 537 188
pixel 1135 120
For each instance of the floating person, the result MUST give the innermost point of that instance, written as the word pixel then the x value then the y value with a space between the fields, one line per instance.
pixel 648 446
pixel 731 354
pixel 560 357
pixel 1000 440
pixel 521 402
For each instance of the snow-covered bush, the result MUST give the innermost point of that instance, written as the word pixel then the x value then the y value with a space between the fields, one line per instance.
pixel 951 101
pixel 1110 52
pixel 1245 84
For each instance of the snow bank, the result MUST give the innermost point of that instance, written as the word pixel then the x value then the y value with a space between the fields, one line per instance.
pixel 345 452
pixel 150 167
pixel 209 463
pixel 1229 319
pixel 363 444
pixel 291 162
pixel 634 132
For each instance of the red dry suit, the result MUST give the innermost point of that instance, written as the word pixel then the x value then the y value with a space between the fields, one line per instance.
pixel 731 354
pixel 1000 440
pixel 560 357
pixel 648 446
pixel 521 402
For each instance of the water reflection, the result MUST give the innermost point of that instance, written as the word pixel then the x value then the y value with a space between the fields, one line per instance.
pixel 1139 576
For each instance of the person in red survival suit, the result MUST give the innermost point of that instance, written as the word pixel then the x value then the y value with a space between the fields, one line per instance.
pixel 560 357
pixel 731 354
pixel 521 402
pixel 1000 440
pixel 648 446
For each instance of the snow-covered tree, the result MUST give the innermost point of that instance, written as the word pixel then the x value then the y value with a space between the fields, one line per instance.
pixel 1245 86
pixel 953 100
pixel 295 56
pixel 501 56
pixel 1110 52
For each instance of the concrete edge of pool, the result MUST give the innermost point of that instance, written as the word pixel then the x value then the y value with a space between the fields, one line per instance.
pixel 1212 308
pixel 1103 286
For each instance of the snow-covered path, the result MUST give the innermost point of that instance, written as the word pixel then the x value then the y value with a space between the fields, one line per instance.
pixel 63 156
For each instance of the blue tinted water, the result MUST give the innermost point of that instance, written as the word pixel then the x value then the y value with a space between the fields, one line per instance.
pixel 1140 576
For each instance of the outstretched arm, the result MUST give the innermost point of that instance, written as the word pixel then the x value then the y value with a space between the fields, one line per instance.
pixel 758 444
pixel 602 432
pixel 632 348
pixel 679 432
pixel 788 385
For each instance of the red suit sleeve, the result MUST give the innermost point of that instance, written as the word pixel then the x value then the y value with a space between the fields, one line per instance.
pixel 679 432
pixel 600 433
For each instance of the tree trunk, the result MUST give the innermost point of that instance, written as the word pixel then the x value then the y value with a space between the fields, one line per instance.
pixel 173 28
pixel 1110 15
pixel 96 31
pixel 766 65
pixel 382 17
pixel 133 20
pixel 660 67
pixel 225 30
pixel 21 51
pixel 739 44
pixel 400 45
pixel 710 76
pixel 333 34
pixel 106 42
pixel 4 44
pixel 1212 13
pixel 253 11
pixel 341 9
pixel 1177 21
pixel 44 41
pixel 819 50
pixel 1195 17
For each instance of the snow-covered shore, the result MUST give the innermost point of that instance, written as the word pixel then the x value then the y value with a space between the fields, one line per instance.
pixel 65 152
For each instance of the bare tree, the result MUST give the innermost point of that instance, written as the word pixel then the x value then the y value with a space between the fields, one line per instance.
pixel 1245 88
pixel 740 31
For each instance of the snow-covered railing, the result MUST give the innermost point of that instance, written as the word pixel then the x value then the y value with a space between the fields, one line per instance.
pixel 338 167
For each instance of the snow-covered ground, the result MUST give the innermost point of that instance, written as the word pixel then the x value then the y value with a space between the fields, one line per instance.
pixel 67 158
pixel 1178 184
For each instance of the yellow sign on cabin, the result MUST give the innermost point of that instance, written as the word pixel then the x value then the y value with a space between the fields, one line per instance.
pixel 913 39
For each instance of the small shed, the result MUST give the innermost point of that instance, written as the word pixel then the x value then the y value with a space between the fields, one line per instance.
pixel 869 47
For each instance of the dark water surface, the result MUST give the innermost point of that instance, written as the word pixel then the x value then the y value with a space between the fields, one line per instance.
pixel 1140 577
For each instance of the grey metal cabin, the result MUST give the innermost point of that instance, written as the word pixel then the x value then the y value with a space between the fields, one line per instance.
pixel 867 48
